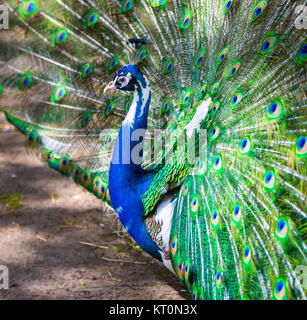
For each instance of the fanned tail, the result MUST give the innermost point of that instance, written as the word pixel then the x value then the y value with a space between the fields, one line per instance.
pixel 239 229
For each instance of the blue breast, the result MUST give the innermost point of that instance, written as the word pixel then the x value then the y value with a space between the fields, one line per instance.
pixel 128 182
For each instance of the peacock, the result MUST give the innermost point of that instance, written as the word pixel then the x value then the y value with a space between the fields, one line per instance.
pixel 187 117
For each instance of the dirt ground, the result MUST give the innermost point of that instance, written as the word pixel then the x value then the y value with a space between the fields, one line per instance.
pixel 45 223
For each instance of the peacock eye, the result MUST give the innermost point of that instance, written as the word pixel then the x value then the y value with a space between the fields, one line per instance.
pixel 121 79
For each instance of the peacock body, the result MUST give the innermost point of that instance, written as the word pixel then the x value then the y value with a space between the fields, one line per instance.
pixel 230 221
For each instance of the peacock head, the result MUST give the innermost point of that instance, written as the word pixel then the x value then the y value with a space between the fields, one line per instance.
pixel 126 79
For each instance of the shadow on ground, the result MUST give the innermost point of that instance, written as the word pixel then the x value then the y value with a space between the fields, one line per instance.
pixel 40 240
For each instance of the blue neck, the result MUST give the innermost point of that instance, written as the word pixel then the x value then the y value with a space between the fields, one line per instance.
pixel 127 180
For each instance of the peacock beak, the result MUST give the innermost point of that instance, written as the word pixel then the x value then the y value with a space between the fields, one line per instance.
pixel 109 88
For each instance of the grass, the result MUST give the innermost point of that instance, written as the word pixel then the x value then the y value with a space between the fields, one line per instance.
pixel 12 201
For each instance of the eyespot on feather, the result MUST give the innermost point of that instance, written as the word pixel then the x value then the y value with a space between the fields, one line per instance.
pixel 90 19
pixel 59 36
pixel 301 147
pixel 27 9
pixel 258 9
